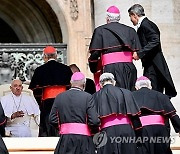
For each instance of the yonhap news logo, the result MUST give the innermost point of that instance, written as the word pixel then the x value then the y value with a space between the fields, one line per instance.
pixel 100 139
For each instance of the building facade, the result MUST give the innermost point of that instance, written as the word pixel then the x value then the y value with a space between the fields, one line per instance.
pixel 66 22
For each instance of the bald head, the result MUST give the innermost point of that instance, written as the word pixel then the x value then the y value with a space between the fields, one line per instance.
pixel 16 87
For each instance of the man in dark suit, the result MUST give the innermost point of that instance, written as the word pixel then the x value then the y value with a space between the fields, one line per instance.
pixel 153 61
pixel 47 82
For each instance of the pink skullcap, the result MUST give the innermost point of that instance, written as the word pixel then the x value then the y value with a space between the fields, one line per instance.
pixel 49 50
pixel 113 9
pixel 142 78
pixel 77 76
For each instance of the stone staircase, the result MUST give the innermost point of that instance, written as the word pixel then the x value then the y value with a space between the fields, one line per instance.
pixel 46 145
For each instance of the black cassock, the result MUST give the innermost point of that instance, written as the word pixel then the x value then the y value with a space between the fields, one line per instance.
pixel 90 86
pixel 49 74
pixel 112 100
pixel 152 102
pixel 3 149
pixel 153 61
pixel 111 38
pixel 74 106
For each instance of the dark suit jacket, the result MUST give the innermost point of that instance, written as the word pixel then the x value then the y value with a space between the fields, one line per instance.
pixel 151 53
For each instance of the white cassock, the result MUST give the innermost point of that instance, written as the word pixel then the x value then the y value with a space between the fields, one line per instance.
pixel 20 127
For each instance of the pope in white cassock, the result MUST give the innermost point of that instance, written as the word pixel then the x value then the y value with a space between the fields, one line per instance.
pixel 19 108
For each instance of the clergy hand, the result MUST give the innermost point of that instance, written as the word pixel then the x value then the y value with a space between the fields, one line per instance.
pixel 17 114
pixel 135 56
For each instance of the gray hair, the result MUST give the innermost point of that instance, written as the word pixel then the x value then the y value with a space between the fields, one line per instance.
pixel 113 17
pixel 78 81
pixel 51 55
pixel 106 77
pixel 143 83
pixel 136 9
pixel 17 79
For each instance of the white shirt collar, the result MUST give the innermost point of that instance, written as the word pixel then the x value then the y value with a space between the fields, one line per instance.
pixel 51 59
pixel 140 21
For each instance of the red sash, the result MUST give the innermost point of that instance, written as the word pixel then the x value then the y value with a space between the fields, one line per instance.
pixel 52 91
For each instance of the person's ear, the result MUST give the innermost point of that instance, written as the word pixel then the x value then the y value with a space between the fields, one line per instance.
pixel 101 85
pixel 84 86
pixel 136 88
pixel 107 20
pixel 55 56
pixel 45 58
pixel 114 83
pixel 150 87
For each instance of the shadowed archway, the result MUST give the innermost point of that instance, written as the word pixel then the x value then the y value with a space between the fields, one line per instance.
pixel 29 21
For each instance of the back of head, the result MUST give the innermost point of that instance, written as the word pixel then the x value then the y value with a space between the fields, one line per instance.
pixel 50 52
pixel 136 9
pixel 78 79
pixel 113 14
pixel 143 82
pixel 74 68
pixel 107 78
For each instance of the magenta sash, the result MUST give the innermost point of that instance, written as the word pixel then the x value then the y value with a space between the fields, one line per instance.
pixel 114 120
pixel 115 57
pixel 75 128
pixel 152 120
